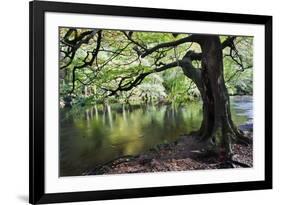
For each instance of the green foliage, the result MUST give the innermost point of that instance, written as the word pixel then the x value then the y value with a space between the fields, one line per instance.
pixel 239 78
pixel 118 64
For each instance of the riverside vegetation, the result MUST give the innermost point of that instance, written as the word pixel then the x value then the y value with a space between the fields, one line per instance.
pixel 135 101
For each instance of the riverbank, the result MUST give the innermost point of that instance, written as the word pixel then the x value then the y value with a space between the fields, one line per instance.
pixel 187 153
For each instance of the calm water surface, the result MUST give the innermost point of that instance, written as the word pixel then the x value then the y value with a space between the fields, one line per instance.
pixel 95 135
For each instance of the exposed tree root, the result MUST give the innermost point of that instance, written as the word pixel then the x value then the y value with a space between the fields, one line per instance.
pixel 230 163
pixel 241 139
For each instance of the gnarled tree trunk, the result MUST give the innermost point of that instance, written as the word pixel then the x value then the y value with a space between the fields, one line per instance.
pixel 217 125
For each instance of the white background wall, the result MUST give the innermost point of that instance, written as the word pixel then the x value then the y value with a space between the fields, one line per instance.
pixel 14 100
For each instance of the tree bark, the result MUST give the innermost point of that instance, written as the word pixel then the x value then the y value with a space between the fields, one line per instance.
pixel 217 125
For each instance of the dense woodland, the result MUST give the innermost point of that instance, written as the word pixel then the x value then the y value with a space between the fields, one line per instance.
pixel 108 65
pixel 131 67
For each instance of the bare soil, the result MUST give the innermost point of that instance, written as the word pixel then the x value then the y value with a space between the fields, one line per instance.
pixel 187 153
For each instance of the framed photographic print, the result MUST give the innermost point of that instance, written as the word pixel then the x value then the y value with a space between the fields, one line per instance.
pixel 139 102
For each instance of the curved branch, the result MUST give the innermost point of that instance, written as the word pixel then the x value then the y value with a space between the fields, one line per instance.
pixel 236 72
pixel 75 44
pixel 229 42
pixel 128 86
pixel 189 70
pixel 85 62
pixel 129 37
pixel 191 38
pixel 235 57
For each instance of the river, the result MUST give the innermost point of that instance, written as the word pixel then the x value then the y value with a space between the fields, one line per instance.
pixel 95 135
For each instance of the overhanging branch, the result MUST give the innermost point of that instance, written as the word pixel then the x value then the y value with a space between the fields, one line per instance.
pixel 191 38
pixel 129 85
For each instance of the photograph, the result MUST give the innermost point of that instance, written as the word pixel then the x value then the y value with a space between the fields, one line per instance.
pixel 144 101
pixel 131 102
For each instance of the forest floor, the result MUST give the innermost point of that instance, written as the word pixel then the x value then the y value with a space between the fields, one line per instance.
pixel 187 153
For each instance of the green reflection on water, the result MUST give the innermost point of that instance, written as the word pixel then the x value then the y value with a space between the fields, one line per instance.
pixel 95 135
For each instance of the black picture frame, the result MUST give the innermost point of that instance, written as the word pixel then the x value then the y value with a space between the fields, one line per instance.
pixel 37 194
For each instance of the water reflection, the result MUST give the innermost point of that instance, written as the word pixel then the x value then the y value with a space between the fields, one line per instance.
pixel 98 134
